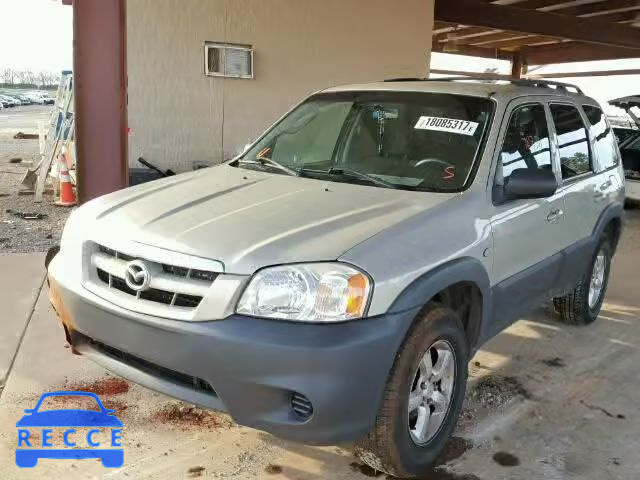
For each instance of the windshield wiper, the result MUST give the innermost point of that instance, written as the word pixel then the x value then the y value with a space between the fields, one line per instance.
pixel 361 175
pixel 267 162
pixel 346 172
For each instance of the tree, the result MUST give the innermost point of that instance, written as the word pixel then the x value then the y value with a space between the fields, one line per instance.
pixel 9 76
pixel 29 77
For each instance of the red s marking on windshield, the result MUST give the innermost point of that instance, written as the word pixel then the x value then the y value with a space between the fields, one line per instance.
pixel 449 173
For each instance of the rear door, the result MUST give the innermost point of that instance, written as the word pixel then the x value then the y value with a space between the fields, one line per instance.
pixel 529 234
pixel 585 190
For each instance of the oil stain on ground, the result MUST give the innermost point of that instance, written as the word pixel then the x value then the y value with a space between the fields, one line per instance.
pixel 191 418
pixel 196 471
pixel 619 416
pixel 555 362
pixel 506 459
pixel 104 386
pixel 273 469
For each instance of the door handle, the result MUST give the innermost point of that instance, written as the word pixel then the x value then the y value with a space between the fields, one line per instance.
pixel 605 185
pixel 554 215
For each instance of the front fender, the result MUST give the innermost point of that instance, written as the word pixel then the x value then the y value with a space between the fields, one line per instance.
pixel 424 288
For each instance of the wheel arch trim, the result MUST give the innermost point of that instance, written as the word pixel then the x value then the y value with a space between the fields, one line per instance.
pixel 421 290
pixel 615 213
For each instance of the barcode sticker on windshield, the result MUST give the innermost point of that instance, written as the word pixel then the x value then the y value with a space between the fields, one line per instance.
pixel 451 125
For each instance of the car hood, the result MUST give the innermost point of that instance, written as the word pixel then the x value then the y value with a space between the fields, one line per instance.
pixel 248 219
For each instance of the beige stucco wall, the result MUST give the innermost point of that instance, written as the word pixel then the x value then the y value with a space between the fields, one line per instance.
pixel 178 115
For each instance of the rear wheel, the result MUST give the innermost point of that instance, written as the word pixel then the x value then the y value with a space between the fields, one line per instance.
pixel 582 306
pixel 422 398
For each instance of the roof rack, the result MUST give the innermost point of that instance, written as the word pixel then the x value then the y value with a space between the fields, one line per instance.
pixel 523 82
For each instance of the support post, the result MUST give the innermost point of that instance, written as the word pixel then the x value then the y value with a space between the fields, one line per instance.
pixel 517 65
pixel 100 78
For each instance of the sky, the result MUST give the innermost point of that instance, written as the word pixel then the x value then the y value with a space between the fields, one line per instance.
pixel 35 35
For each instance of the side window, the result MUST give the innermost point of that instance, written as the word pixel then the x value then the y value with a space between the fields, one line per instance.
pixel 573 144
pixel 605 140
pixel 526 142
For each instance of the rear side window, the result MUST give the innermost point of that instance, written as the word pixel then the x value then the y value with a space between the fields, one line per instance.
pixel 526 142
pixel 605 140
pixel 573 144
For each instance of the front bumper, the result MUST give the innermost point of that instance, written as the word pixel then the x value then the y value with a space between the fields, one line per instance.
pixel 253 366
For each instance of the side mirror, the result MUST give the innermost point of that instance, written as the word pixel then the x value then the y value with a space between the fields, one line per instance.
pixel 529 183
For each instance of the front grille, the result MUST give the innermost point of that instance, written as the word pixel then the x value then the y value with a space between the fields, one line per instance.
pixel 188 285
pixel 301 405
pixel 188 381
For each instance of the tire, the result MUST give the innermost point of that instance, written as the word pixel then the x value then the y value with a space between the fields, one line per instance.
pixel 390 447
pixel 575 308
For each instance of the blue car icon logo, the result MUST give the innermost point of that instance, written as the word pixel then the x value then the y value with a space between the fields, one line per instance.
pixel 68 419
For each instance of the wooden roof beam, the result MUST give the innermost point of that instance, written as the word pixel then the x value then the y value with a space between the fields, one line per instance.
pixel 474 51
pixel 490 40
pixel 600 73
pixel 543 5
pixel 466 35
pixel 575 52
pixel 535 22
pixel 593 10
pixel 618 17
pixel 520 41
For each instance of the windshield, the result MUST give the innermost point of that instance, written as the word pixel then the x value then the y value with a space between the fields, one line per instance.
pixel 408 140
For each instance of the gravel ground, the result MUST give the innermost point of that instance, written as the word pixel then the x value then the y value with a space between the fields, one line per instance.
pixel 19 235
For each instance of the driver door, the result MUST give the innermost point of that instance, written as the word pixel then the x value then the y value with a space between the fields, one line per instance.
pixel 529 234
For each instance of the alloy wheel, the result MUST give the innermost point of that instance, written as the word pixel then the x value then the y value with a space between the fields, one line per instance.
pixel 596 283
pixel 431 391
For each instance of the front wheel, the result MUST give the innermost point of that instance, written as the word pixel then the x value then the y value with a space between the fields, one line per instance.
pixel 422 398
pixel 582 306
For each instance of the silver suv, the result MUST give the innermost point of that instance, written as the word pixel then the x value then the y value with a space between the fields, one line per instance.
pixel 331 283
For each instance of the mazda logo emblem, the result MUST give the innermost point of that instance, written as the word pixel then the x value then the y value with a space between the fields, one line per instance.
pixel 137 276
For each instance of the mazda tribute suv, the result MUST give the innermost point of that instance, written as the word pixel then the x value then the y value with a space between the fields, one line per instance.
pixel 331 283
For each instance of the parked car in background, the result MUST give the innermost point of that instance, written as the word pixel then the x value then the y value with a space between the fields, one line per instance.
pixel 629 143
pixel 630 151
pixel 40 98
pixel 23 98
pixel 35 98
pixel 9 101
pixel 331 283
pixel 622 133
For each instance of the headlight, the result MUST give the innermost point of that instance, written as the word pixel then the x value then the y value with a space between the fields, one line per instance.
pixel 315 292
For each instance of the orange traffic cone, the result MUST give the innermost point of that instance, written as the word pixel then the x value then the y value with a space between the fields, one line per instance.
pixel 67 197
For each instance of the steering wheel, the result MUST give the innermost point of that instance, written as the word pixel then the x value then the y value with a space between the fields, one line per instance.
pixel 427 161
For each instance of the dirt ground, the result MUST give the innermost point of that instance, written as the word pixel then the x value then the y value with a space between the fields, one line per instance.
pixel 16 233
